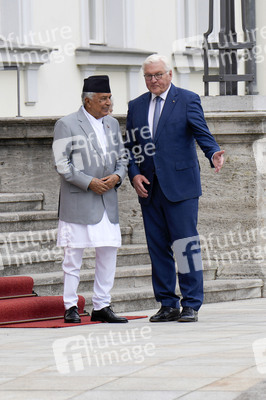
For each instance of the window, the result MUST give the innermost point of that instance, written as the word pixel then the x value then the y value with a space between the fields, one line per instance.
pixel 15 20
pixel 15 25
pixel 192 22
pixel 96 11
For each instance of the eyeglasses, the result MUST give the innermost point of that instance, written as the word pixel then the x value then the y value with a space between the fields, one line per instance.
pixel 158 76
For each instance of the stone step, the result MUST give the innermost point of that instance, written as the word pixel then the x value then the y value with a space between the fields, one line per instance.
pixel 142 298
pixel 131 277
pixel 17 242
pixel 27 221
pixel 20 202
pixel 50 260
pixel 49 257
pixel 230 290
pixel 208 220
pixel 235 270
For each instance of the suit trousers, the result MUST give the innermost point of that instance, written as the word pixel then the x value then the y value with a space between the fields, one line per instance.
pixel 171 233
pixel 105 265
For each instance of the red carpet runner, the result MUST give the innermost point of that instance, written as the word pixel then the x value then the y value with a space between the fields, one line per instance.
pixel 21 308
pixel 12 286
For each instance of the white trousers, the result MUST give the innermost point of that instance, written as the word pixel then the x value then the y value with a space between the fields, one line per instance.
pixel 105 264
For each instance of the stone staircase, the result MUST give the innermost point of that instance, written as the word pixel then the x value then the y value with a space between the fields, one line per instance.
pixel 28 247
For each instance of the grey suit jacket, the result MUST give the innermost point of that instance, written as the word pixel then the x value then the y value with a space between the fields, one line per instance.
pixel 78 159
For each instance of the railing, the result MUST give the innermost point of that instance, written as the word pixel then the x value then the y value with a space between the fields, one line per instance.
pixel 228 48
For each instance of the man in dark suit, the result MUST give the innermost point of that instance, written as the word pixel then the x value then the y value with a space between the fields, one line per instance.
pixel 162 126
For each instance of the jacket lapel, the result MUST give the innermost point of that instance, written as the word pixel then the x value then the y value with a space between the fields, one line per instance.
pixel 90 133
pixel 145 108
pixel 170 103
pixel 108 134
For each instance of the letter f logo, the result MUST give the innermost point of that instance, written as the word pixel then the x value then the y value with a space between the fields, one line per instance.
pixel 188 254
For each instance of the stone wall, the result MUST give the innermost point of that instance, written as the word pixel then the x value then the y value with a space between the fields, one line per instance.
pixel 232 209
pixel 26 158
pixel 232 215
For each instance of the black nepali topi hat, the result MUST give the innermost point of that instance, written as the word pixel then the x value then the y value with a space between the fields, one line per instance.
pixel 97 84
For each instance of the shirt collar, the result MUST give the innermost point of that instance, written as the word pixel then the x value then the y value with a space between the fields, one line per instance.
pixel 163 95
pixel 91 117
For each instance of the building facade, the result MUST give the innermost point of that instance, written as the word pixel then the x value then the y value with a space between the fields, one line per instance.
pixel 57 44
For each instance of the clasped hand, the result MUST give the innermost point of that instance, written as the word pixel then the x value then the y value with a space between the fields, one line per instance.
pixel 100 186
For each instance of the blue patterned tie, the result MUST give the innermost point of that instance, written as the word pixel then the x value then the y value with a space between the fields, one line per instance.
pixel 156 116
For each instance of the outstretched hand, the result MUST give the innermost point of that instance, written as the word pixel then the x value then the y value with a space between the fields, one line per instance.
pixel 218 160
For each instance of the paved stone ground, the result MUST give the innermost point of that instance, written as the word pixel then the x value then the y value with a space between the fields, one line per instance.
pixel 212 359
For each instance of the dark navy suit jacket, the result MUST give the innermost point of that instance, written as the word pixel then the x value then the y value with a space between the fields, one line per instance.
pixel 174 158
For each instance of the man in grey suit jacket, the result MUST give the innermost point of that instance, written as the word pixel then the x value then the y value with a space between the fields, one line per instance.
pixel 90 159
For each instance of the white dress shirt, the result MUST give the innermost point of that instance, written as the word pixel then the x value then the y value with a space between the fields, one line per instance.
pixel 152 107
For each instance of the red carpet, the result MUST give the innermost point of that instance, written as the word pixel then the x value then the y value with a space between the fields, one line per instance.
pixel 23 309
pixel 13 286
pixel 58 323
pixel 19 309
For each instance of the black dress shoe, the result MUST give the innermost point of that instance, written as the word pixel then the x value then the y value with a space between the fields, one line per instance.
pixel 188 315
pixel 72 315
pixel 106 314
pixel 166 314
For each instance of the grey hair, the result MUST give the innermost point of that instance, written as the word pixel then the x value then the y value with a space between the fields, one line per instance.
pixel 88 95
pixel 154 58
